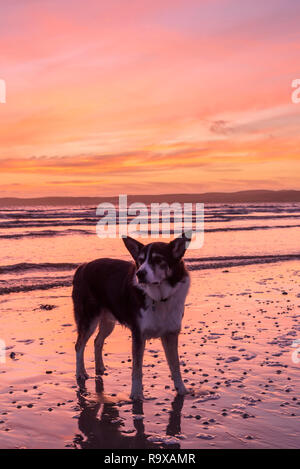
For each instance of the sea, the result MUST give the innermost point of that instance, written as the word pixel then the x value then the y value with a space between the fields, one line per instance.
pixel 42 246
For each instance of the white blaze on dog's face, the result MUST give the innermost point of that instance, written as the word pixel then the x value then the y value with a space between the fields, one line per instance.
pixel 156 261
pixel 153 267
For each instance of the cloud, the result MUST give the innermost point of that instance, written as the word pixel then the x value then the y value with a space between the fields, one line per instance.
pixel 221 127
pixel 128 162
pixel 147 92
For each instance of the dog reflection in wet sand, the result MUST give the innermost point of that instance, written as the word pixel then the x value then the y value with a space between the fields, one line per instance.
pixel 100 423
pixel 147 296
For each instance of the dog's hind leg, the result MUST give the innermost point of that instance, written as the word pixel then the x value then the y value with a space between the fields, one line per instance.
pixel 83 336
pixel 170 344
pixel 106 326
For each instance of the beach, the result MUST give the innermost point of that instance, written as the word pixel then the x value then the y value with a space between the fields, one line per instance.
pixel 238 346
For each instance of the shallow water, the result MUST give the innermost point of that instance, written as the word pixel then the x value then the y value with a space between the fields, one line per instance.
pixel 40 247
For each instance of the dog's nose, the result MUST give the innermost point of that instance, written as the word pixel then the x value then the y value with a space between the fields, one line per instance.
pixel 141 275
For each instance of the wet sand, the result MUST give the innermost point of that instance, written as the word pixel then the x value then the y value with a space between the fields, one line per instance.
pixel 236 354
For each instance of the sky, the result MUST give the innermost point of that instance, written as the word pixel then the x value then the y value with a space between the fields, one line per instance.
pixel 143 97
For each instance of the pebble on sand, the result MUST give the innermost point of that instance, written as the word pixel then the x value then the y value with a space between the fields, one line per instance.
pixel 205 436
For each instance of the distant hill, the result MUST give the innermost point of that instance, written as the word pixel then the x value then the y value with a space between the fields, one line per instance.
pixel 252 196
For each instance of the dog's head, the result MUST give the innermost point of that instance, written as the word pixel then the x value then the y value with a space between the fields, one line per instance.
pixel 157 261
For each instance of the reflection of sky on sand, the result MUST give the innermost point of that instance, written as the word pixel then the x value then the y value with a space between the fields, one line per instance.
pixel 236 342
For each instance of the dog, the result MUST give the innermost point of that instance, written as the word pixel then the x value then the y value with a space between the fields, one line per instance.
pixel 147 296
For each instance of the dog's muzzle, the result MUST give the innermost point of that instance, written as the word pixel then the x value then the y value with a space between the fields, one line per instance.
pixel 141 275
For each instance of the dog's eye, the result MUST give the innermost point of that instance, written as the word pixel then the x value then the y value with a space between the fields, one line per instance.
pixel 159 261
pixel 156 260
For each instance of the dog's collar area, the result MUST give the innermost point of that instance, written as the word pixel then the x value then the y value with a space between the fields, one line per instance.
pixel 154 302
pixel 162 300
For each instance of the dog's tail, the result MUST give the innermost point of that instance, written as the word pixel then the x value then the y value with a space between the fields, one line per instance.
pixel 77 274
pixel 78 296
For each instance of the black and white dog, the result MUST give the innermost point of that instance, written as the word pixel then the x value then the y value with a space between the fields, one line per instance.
pixel 148 297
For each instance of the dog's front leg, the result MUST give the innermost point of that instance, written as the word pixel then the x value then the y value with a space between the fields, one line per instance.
pixel 138 347
pixel 170 344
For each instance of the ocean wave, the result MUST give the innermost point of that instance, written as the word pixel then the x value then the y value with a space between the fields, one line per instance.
pixel 249 228
pixel 35 286
pixel 43 223
pixel 227 262
pixel 24 285
pixel 45 233
pixel 177 231
pixel 26 266
pixel 173 231
pixel 91 219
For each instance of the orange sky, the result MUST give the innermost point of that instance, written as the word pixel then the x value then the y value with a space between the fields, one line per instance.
pixel 148 96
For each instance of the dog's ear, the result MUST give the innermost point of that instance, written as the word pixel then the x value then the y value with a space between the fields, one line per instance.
pixel 133 246
pixel 179 245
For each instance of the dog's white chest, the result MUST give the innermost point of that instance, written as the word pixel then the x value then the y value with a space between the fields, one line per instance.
pixel 163 317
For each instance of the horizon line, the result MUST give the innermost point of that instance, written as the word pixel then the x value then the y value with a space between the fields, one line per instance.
pixel 155 195
pixel 244 196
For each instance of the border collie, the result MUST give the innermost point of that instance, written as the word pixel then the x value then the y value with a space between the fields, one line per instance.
pixel 147 296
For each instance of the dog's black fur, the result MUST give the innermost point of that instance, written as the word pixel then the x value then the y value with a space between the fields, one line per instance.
pixel 106 290
pixel 94 290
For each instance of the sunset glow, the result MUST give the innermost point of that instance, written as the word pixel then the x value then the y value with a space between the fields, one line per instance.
pixel 148 97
